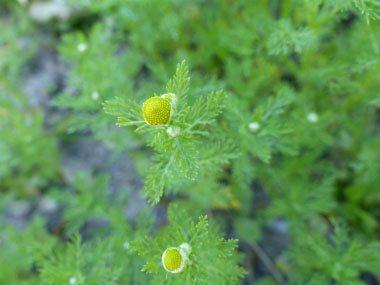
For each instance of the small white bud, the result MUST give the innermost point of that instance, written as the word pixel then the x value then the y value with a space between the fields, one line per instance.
pixel 173 131
pixel 126 245
pixel 172 98
pixel 254 126
pixel 185 248
pixel 95 95
pixel 22 2
pixel 73 281
pixel 82 47
pixel 312 117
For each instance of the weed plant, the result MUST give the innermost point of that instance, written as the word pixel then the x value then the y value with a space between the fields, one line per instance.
pixel 238 115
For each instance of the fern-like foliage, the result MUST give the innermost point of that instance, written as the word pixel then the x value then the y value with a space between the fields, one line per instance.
pixel 369 8
pixel 106 259
pixel 286 39
pixel 341 258
pixel 212 259
pixel 182 147
pixel 91 200
pixel 74 263
pixel 19 251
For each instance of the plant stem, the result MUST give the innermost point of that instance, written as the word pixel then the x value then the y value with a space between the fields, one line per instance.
pixel 268 263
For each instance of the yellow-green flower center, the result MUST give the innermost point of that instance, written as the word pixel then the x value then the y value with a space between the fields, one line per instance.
pixel 172 259
pixel 156 111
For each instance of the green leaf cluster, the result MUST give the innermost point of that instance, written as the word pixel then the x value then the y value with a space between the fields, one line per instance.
pixel 212 259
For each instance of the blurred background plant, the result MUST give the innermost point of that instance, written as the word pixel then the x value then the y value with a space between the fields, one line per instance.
pixel 285 159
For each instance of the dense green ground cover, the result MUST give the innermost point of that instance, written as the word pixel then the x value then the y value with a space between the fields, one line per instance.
pixel 268 167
